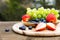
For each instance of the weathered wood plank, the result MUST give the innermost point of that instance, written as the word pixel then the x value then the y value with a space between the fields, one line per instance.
pixel 13 36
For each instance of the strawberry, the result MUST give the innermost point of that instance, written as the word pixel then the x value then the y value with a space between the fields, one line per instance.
pixel 25 17
pixel 51 26
pixel 51 18
pixel 41 26
pixel 58 27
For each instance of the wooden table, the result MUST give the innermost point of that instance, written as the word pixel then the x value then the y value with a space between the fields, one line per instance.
pixel 14 36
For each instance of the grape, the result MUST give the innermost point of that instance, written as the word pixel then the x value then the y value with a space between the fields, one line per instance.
pixel 44 16
pixel 41 12
pixel 57 15
pixel 39 16
pixel 35 16
pixel 55 12
pixel 28 9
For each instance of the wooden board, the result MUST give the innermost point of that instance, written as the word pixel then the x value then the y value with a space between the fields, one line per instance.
pixel 33 33
pixel 13 36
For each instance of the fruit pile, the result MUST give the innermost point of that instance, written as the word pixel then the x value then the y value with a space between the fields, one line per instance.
pixel 46 18
pixel 41 12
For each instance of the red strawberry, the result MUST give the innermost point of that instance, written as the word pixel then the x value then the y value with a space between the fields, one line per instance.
pixel 51 18
pixel 41 26
pixel 51 26
pixel 25 17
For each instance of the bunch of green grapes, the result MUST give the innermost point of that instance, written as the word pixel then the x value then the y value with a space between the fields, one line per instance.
pixel 41 12
pixel 56 12
pixel 32 13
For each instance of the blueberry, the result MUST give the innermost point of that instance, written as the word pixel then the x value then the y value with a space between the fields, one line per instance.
pixel 30 27
pixel 37 20
pixel 31 21
pixel 7 30
pixel 22 27
pixel 42 19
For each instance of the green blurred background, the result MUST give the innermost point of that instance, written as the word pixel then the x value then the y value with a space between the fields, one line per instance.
pixel 12 10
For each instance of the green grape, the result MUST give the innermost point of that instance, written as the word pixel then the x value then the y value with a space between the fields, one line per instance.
pixel 34 13
pixel 45 11
pixel 55 12
pixel 28 9
pixel 52 10
pixel 39 16
pixel 44 15
pixel 29 12
pixel 41 12
pixel 48 10
pixel 57 15
pixel 34 9
pixel 35 16
pixel 41 9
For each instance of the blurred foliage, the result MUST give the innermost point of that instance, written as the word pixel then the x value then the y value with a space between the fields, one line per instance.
pixel 59 16
pixel 12 11
pixel 43 3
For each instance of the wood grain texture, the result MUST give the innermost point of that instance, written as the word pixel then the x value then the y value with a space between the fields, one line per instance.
pixel 14 36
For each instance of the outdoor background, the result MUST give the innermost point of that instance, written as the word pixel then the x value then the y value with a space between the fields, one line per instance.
pixel 12 10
